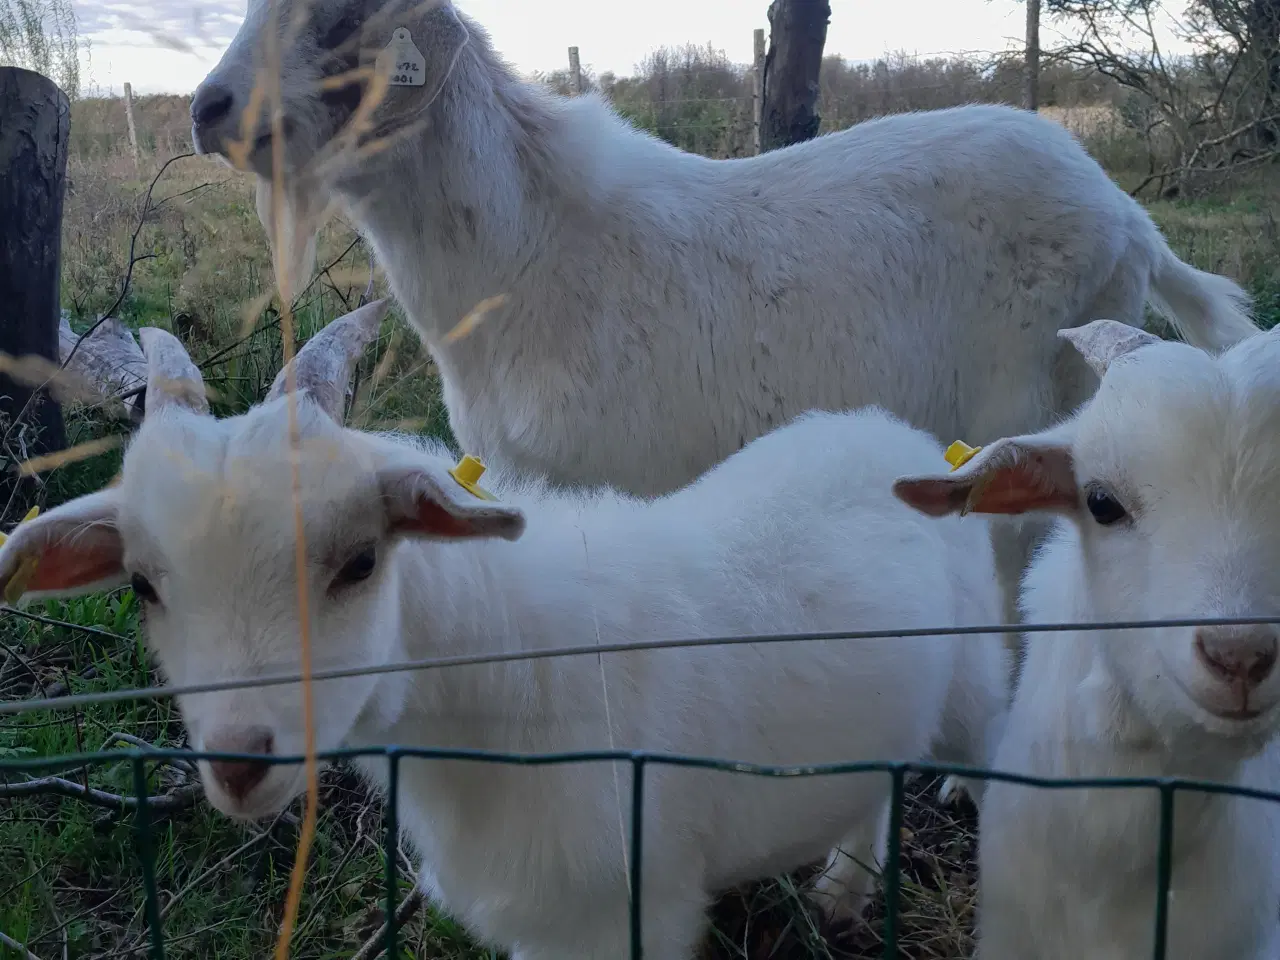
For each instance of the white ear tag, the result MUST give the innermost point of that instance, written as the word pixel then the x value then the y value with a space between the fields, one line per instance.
pixel 408 66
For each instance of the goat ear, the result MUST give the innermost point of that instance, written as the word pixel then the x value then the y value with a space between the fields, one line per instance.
pixel 1014 475
pixel 429 502
pixel 71 550
pixel 1102 342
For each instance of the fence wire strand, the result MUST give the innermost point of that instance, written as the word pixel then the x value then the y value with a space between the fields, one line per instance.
pixel 466 660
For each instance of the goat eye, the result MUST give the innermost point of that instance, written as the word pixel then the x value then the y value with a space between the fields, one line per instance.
pixel 143 589
pixel 358 568
pixel 1105 508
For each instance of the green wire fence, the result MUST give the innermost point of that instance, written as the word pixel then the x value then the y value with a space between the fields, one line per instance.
pixel 638 760
pixel 141 760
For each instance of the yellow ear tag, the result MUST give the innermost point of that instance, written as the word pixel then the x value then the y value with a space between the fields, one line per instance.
pixel 960 453
pixel 17 584
pixel 467 472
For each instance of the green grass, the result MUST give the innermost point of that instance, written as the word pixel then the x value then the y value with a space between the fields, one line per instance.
pixel 70 882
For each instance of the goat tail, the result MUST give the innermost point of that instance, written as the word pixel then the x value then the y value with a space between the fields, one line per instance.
pixel 1209 311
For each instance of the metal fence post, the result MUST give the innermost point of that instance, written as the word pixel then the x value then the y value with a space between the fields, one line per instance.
pixel 637 810
pixel 147 857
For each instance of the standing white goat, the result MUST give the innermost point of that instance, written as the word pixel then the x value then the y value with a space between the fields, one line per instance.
pixel 1166 482
pixel 664 309
pixel 797 532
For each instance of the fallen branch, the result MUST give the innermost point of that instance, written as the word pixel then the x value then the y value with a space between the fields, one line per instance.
pixel 15 945
pixel 187 766
pixel 60 688
pixel 175 800
pixel 375 944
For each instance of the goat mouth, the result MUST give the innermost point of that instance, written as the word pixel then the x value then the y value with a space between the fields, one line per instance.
pixel 268 800
pixel 1242 715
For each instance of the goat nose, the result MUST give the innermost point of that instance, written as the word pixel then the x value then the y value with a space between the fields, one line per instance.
pixel 1235 654
pixel 239 777
pixel 211 104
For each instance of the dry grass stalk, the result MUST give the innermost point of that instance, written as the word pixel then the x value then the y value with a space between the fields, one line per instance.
pixel 472 320
pixel 81 451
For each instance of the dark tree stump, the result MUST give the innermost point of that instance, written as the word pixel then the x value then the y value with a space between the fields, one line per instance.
pixel 797 35
pixel 35 123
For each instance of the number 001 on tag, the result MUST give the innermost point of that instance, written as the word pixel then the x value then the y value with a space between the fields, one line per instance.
pixel 408 65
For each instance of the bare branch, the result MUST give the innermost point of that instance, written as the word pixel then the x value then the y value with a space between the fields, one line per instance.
pixel 20 948
pixel 180 798
pixel 374 945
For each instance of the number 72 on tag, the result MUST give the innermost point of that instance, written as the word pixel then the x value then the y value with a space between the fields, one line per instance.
pixel 409 66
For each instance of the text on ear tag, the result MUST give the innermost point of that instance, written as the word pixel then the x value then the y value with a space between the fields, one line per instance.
pixel 408 65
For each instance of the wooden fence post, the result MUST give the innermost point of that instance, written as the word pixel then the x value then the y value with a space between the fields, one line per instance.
pixel 797 34
pixel 35 123
pixel 133 130
pixel 575 71
pixel 1033 55
pixel 757 98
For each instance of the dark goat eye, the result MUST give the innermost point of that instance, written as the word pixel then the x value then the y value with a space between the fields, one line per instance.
pixel 1105 508
pixel 358 568
pixel 143 589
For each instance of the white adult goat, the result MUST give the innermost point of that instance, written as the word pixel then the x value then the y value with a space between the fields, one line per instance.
pixel 798 532
pixel 1167 482
pixel 664 309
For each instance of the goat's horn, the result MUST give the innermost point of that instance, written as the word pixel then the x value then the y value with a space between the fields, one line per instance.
pixel 172 379
pixel 323 367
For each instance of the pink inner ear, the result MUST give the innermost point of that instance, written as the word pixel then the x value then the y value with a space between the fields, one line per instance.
pixel 433 520
pixel 1026 486
pixel 934 498
pixel 1022 488
pixel 92 556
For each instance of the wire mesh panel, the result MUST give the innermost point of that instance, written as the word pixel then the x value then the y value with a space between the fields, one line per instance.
pixel 1167 788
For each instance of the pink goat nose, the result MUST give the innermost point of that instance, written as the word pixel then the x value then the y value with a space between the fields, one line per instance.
pixel 1245 653
pixel 239 777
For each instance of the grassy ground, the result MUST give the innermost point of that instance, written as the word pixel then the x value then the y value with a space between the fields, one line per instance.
pixel 70 884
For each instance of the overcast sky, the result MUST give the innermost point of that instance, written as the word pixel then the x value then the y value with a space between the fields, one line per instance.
pixel 134 40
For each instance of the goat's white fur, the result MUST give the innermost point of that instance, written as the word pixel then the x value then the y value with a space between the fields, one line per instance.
pixel 797 532
pixel 1189 444
pixel 663 309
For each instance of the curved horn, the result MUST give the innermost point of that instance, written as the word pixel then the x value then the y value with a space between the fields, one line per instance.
pixel 172 379
pixel 323 367
pixel 1102 342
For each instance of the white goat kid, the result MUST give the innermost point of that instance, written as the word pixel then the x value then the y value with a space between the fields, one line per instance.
pixel 664 309
pixel 798 532
pixel 1166 482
